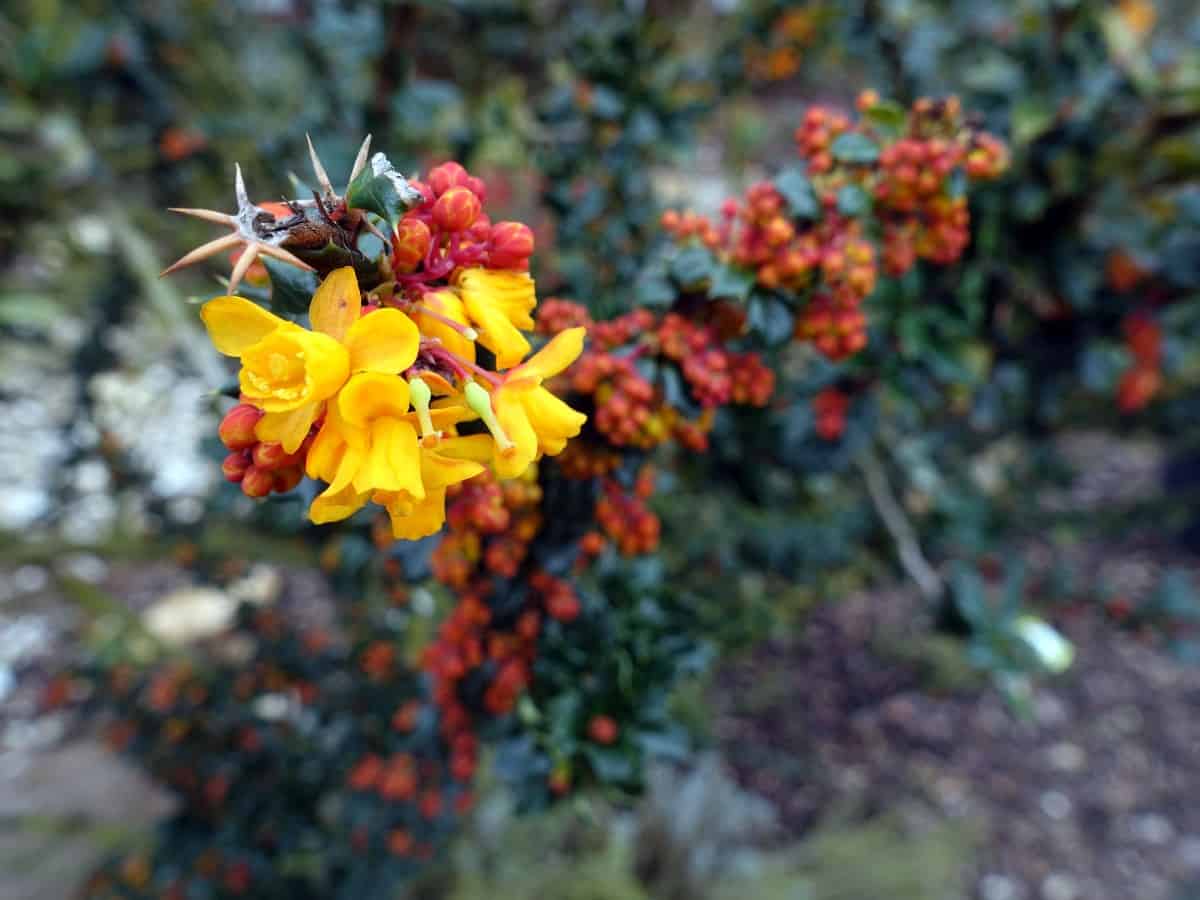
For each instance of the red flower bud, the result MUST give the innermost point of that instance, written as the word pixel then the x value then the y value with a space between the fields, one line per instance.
pixel 510 245
pixel 410 243
pixel 235 465
pixel 478 187
pixel 603 729
pixel 456 209
pixel 237 428
pixel 287 478
pixel 271 455
pixel 446 176
pixel 257 482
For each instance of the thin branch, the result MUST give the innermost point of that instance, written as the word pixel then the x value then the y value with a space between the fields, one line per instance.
pixel 908 549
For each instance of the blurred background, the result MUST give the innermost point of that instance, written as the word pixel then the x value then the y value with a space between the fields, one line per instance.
pixel 861 707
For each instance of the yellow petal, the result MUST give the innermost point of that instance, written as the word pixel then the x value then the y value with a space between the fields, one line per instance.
pixel 446 304
pixel 371 395
pixel 235 323
pixel 288 428
pixel 333 507
pixel 393 460
pixel 552 420
pixel 476 447
pixel 496 332
pixel 384 341
pixel 510 411
pixel 440 471
pixel 332 457
pixel 513 293
pixel 413 521
pixel 337 303
pixel 559 353
pixel 291 367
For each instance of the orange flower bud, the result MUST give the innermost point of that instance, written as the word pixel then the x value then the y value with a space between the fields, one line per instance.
pixel 510 245
pixel 447 175
pixel 603 729
pixel 235 465
pixel 237 428
pixel 410 243
pixel 456 209
pixel 271 455
pixel 257 482
pixel 287 478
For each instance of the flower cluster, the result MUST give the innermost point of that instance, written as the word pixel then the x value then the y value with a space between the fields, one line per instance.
pixel 1143 379
pixel 908 177
pixel 829 408
pixel 369 399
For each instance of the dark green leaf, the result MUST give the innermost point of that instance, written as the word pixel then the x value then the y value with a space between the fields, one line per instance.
pixel 888 116
pixel 797 191
pixel 380 189
pixel 692 267
pixel 653 289
pixel 852 200
pixel 291 288
pixel 853 147
pixel 731 282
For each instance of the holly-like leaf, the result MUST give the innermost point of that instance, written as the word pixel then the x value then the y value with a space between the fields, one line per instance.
pixel 692 267
pixel 853 147
pixel 653 289
pixel 380 189
pixel 291 288
pixel 731 282
pixel 888 117
pixel 797 191
pixel 852 200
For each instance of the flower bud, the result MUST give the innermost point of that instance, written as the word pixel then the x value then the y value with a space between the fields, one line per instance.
pixel 603 729
pixel 234 466
pixel 446 176
pixel 410 243
pixel 510 245
pixel 478 187
pixel 237 428
pixel 426 192
pixel 287 478
pixel 257 482
pixel 271 455
pixel 456 209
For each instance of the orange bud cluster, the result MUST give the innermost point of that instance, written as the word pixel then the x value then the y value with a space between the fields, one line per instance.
pixel 911 180
pixel 626 519
pixel 449 230
pixel 829 408
pixel 777 56
pixel 260 467
pixel 1143 379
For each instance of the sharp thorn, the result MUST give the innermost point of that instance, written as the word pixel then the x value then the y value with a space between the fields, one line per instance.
pixel 249 255
pixel 208 215
pixel 239 188
pixel 228 242
pixel 285 256
pixel 318 169
pixel 360 161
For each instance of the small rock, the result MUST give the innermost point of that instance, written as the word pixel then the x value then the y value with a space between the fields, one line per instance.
pixel 1056 805
pixel 1152 829
pixel 999 887
pixel 1067 757
pixel 1058 886
pixel 190 614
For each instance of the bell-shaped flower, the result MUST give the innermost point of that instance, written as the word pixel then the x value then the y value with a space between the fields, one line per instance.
pixel 499 303
pixel 524 418
pixel 289 371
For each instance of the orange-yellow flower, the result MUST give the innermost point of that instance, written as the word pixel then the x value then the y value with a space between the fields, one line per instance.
pixel 524 418
pixel 289 371
pixel 499 302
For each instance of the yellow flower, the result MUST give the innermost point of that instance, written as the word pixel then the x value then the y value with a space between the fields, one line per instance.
pixel 447 463
pixel 368 441
pixel 499 302
pixel 289 371
pixel 524 418
pixel 448 305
